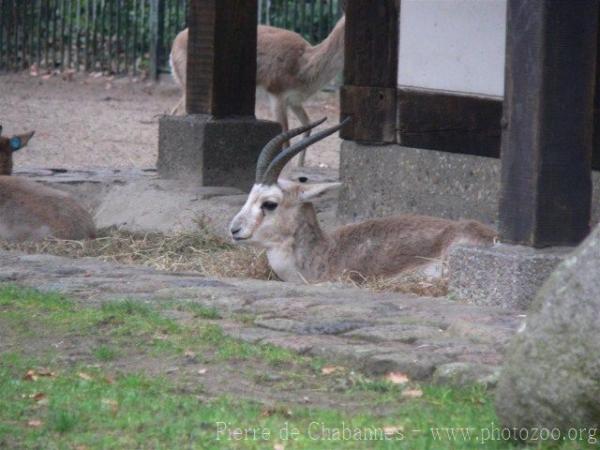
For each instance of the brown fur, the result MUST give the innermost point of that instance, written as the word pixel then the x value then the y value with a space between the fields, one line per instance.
pixel 30 211
pixel 289 69
pixel 379 247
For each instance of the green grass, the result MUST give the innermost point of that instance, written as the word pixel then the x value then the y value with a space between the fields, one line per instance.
pixel 87 404
pixel 105 353
pixel 203 311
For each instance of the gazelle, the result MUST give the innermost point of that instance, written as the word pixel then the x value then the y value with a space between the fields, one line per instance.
pixel 30 211
pixel 279 217
pixel 289 69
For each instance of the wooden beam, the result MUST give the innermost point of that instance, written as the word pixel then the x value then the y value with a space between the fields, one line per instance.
pixel 370 70
pixel 221 71
pixel 548 118
pixel 450 122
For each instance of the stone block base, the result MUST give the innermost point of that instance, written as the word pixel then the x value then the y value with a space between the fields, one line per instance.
pixel 381 180
pixel 507 276
pixel 212 152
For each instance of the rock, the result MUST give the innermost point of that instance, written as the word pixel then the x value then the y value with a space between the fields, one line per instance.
pixel 551 376
pixel 462 374
pixel 380 332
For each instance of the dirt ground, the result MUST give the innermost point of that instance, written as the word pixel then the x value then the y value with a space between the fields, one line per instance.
pixel 89 121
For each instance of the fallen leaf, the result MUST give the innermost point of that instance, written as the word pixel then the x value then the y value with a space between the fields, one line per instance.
pixel 397 378
pixel 81 447
pixel 328 370
pixel 38 396
pixel 34 423
pixel 412 393
pixel 201 371
pixel 30 376
pixel 268 411
pixel 279 447
pixel 392 429
pixel 85 376
pixel 189 354
pixel 109 379
pixel 45 373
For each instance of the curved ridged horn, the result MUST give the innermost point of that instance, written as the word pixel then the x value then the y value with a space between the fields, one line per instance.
pixel 273 147
pixel 277 165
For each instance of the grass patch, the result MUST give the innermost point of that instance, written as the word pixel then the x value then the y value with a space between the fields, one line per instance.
pixel 45 403
pixel 137 411
pixel 203 312
pixel 105 353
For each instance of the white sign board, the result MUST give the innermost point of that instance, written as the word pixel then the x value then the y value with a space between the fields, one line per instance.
pixel 453 45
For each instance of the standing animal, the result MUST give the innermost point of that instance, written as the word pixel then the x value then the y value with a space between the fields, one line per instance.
pixel 30 211
pixel 279 217
pixel 289 69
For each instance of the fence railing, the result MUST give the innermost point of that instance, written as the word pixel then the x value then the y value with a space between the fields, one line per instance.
pixel 124 36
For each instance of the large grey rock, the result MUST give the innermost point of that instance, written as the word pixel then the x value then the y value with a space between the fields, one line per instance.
pixel 214 152
pixel 551 376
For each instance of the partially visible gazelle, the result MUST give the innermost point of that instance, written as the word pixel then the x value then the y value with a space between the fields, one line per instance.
pixel 279 217
pixel 30 211
pixel 289 69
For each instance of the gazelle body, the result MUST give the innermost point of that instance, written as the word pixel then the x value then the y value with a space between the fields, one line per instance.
pixel 30 211
pixel 289 69
pixel 279 217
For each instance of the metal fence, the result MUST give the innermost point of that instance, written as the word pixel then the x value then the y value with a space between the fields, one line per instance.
pixel 124 36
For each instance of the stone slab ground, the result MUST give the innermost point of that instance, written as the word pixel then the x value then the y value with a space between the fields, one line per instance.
pixel 425 338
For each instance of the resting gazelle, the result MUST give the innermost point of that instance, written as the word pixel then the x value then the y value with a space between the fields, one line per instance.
pixel 279 217
pixel 30 211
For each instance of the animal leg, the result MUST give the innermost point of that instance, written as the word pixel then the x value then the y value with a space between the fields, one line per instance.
pixel 279 111
pixel 179 107
pixel 300 113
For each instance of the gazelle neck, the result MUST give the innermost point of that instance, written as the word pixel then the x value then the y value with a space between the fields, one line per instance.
pixel 325 60
pixel 303 257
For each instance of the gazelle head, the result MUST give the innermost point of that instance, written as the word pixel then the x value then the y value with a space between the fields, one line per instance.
pixel 270 215
pixel 8 146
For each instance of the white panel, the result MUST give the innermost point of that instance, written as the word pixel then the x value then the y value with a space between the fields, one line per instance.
pixel 453 45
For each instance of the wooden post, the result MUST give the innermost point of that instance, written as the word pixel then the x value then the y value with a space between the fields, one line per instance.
pixel 157 30
pixel 596 147
pixel 370 70
pixel 548 111
pixel 221 70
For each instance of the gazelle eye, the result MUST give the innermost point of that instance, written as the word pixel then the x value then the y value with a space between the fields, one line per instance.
pixel 302 179
pixel 269 206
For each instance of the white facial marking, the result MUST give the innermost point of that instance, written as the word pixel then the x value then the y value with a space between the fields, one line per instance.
pixel 249 220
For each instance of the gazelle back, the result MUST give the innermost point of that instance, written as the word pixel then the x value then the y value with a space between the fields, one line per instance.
pixel 30 211
pixel 279 217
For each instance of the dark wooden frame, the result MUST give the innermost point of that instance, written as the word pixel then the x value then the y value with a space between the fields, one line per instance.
pixel 370 71
pixel 221 70
pixel 548 115
pixel 449 122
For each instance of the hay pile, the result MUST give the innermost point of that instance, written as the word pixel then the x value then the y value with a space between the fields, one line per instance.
pixel 199 251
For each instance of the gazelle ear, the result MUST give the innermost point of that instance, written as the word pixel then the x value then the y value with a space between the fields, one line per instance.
pixel 309 192
pixel 20 140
